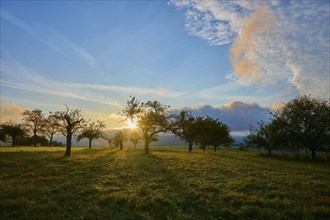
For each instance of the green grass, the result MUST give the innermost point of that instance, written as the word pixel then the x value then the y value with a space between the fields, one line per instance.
pixel 167 184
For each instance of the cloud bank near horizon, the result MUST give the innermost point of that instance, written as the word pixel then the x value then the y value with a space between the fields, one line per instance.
pixel 238 115
pixel 274 42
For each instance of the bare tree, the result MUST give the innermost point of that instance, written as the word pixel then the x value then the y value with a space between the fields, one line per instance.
pixel 51 127
pixel 33 121
pixel 108 138
pixel 71 122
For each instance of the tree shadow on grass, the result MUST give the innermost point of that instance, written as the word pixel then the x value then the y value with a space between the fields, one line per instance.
pixel 146 188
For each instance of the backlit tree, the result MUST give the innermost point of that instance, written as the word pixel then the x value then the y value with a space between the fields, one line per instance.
pixel 71 121
pixel 152 118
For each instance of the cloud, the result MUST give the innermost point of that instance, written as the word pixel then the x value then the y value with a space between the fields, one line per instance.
pixel 237 115
pixel 283 43
pixel 10 110
pixel 54 40
pixel 262 20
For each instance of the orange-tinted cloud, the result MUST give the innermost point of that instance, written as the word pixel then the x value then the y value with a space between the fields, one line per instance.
pixel 246 42
pixel 10 110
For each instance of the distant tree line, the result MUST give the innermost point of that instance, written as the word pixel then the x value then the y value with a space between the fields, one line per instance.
pixel 303 123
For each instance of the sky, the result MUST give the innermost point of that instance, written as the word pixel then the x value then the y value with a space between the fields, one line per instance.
pixel 232 60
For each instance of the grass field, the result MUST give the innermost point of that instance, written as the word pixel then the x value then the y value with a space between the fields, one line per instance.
pixel 167 184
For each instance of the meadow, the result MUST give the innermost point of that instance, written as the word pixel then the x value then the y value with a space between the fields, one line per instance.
pixel 39 183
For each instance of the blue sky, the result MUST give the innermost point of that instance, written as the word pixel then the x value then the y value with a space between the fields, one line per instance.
pixel 214 57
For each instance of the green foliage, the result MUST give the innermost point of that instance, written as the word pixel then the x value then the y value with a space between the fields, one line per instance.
pixel 211 132
pixel 305 123
pixel 12 130
pixel 152 118
pixel 92 131
pixel 118 139
pixel 29 141
pixel 166 184
pixel 261 136
pixel 184 127
pixel 135 137
pixel 203 131
pixel 3 135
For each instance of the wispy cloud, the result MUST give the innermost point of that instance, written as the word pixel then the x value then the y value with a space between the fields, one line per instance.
pixel 54 40
pixel 273 42
pixel 18 76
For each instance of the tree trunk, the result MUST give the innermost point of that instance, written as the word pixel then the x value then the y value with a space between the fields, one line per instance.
pixel 313 154
pixel 146 147
pixel 190 145
pixel 34 137
pixel 269 151
pixel 51 141
pixel 134 145
pixel 13 142
pixel 90 143
pixel 204 146
pixel 109 142
pixel 68 144
pixel 215 148
pixel 121 145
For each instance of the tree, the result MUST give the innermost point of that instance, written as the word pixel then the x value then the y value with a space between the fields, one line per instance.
pixel 306 123
pixel 108 138
pixel 119 139
pixel 152 118
pixel 220 134
pixel 51 127
pixel 13 130
pixel 211 132
pixel 134 137
pixel 27 141
pixel 185 128
pixel 91 131
pixel 34 121
pixel 3 136
pixel 71 121
pixel 260 137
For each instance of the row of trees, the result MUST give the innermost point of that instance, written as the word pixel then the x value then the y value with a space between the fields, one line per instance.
pixel 67 122
pixel 152 118
pixel 303 123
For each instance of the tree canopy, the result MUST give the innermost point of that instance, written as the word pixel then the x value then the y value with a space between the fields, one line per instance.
pixel 305 123
pixel 12 130
pixel 152 118
pixel 92 131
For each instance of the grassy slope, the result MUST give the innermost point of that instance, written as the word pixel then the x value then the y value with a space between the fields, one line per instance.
pixel 167 184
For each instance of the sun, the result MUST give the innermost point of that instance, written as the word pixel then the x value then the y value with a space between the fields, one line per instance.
pixel 131 123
